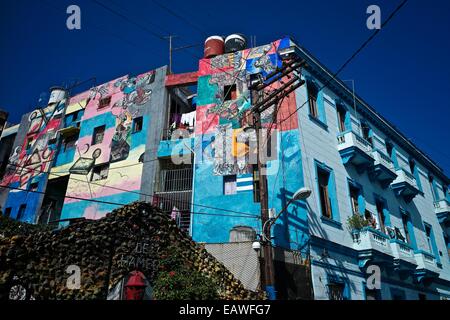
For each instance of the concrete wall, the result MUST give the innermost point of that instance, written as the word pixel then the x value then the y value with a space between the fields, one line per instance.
pixel 240 259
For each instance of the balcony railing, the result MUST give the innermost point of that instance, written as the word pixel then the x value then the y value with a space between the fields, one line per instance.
pixel 175 180
pixel 383 159
pixel 405 176
pixel 403 252
pixel 371 239
pixel 405 185
pixel 351 139
pixel 426 261
pixel 441 206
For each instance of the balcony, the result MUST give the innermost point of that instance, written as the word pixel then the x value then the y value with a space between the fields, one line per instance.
pixel 405 185
pixel 426 266
pixel 373 247
pixel 442 210
pixel 404 259
pixel 174 193
pixel 355 150
pixel 383 169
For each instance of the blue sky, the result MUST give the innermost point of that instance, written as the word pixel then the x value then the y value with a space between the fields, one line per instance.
pixel 404 73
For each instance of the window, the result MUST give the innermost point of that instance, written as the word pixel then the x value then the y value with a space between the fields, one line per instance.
pixel 99 133
pixel 428 235
pixel 336 291
pixel 34 187
pixel 366 133
pixel 381 214
pixel 325 202
pixel 100 172
pixel 229 93
pixel 103 103
pixel 69 142
pixel 312 98
pixel 415 173
pixel 21 212
pixel 446 240
pixel 256 193
pixel 445 191
pixel 229 185
pixel 8 212
pixel 354 195
pixel 432 186
pixel 405 221
pixel 29 142
pixel 391 153
pixel 137 124
pixel 389 149
pixel 342 114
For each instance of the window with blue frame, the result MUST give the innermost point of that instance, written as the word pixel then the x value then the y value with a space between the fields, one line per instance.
pixel 338 288
pixel 312 99
pixel 433 187
pixel 357 200
pixel 447 244
pixel 382 213
pixel 326 188
pixel 431 241
pixel 415 173
pixel 408 228
pixel 316 103
pixel 343 118
pixel 390 150
pixel 366 132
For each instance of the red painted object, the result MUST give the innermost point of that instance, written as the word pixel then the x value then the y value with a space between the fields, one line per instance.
pixel 182 79
pixel 135 287
pixel 214 46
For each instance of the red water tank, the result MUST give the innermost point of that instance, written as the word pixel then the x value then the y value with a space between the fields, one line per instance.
pixel 214 46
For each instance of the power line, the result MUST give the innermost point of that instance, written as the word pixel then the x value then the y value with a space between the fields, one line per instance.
pixel 353 55
pixel 135 192
pixel 154 34
pixel 170 11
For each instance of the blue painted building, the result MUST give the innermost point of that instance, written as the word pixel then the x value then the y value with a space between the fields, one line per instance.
pixel 154 138
pixel 354 161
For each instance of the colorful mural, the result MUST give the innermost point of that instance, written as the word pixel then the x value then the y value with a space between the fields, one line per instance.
pixel 225 149
pixel 32 159
pixel 107 162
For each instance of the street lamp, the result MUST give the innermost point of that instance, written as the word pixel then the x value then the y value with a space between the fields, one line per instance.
pixel 301 194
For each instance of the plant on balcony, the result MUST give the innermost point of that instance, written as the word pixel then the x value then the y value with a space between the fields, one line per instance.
pixel 355 223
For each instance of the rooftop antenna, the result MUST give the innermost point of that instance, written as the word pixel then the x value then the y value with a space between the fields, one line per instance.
pixel 170 37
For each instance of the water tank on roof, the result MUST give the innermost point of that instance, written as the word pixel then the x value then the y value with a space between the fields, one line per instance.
pixel 214 46
pixel 56 95
pixel 235 42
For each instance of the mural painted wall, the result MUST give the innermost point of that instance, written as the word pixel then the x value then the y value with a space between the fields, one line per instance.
pixel 32 157
pixel 105 163
pixel 221 117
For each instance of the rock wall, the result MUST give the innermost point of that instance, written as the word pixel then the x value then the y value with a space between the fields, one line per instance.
pixel 133 237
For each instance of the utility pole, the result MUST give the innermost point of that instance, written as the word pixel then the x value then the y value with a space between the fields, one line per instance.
pixel 261 104
pixel 170 37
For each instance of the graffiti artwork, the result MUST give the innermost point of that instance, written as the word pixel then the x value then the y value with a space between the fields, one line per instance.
pixel 34 156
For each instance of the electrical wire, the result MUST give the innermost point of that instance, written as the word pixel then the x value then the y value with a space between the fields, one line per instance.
pixel 353 55
pixel 131 191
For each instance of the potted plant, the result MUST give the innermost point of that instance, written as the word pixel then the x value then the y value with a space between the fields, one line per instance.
pixel 355 223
